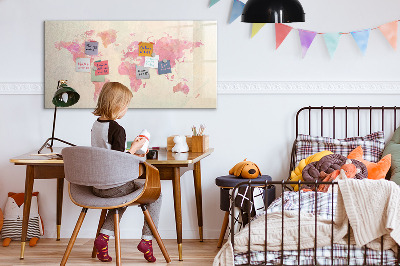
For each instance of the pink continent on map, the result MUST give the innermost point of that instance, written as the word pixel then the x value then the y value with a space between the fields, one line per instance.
pixel 77 49
pixel 97 89
pixel 181 87
pixel 108 37
pixel 128 68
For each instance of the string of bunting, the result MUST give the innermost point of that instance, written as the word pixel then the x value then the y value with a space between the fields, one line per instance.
pixel 361 37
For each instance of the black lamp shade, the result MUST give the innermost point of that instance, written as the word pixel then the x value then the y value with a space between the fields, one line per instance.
pixel 65 96
pixel 273 11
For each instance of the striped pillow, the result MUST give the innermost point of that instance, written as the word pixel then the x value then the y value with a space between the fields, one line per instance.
pixel 372 145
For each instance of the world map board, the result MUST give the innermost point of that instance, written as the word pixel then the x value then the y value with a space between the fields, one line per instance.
pixel 186 53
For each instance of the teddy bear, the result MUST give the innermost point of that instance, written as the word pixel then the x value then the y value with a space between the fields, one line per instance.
pixel 13 215
pixel 245 169
pixel 180 144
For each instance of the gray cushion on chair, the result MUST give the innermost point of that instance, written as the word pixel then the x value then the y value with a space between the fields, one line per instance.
pixel 83 196
pixel 99 167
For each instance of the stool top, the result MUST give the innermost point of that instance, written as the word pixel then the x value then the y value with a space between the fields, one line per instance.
pixel 230 181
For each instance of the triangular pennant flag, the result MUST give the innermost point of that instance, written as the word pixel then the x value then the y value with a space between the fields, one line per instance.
pixel 306 39
pixel 237 9
pixel 332 41
pixel 281 31
pixel 255 28
pixel 361 37
pixel 390 32
pixel 213 2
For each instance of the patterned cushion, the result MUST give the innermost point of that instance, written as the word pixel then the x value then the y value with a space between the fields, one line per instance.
pixel 372 144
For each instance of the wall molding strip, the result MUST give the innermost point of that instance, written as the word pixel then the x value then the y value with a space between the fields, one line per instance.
pixel 259 87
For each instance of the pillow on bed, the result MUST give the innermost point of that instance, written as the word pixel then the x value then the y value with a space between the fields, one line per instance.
pixel 372 145
pixel 375 170
pixel 393 148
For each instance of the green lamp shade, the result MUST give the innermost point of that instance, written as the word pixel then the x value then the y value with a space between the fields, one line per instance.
pixel 65 96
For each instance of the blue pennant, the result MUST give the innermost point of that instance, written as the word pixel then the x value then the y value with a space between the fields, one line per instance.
pixel 237 9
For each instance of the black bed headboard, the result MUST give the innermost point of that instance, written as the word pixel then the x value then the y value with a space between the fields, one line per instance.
pixel 344 121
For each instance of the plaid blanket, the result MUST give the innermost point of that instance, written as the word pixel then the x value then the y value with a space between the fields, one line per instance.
pixel 323 205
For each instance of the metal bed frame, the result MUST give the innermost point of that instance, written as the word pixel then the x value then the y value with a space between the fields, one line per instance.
pixel 283 184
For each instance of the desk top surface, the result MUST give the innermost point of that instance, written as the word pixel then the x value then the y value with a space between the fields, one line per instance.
pixel 164 157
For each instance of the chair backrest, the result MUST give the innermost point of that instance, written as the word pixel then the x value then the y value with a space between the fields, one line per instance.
pixel 92 166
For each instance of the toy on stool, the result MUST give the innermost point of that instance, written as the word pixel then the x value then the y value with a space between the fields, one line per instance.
pixel 245 169
pixel 13 215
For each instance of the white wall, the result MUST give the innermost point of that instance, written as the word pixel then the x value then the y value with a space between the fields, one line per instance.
pixel 259 127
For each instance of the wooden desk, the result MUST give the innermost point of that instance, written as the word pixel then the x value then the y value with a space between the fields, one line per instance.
pixel 171 167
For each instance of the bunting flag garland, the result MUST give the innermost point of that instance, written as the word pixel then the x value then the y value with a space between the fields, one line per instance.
pixel 213 2
pixel 361 38
pixel 389 30
pixel 281 31
pixel 237 8
pixel 332 41
pixel 306 39
pixel 256 27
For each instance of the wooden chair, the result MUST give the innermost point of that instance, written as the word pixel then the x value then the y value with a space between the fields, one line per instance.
pixel 85 167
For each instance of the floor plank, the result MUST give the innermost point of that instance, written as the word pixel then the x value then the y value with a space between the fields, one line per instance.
pixel 49 252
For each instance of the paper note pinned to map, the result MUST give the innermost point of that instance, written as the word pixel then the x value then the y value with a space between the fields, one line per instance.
pixel 91 48
pixel 142 72
pixel 145 49
pixel 82 65
pixel 101 68
pixel 164 67
pixel 94 78
pixel 151 62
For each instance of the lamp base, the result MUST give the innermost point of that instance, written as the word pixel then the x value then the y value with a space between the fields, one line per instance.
pixel 50 146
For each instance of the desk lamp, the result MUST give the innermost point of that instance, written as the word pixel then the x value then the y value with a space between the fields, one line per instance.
pixel 273 11
pixel 63 97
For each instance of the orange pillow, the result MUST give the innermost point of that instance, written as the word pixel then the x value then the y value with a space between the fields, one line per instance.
pixel 375 170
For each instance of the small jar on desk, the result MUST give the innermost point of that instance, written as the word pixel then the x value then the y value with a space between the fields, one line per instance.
pixel 226 183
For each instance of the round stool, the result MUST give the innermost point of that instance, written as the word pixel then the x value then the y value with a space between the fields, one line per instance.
pixel 228 182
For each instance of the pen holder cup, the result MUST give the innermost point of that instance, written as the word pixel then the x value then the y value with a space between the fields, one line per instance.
pixel 200 143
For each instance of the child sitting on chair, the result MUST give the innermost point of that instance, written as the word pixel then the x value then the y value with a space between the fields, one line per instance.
pixel 106 133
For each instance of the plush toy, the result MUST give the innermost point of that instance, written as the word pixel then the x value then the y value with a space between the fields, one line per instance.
pixel 296 174
pixel 245 169
pixel 13 215
pixel 375 170
pixel 180 144
pixel 348 170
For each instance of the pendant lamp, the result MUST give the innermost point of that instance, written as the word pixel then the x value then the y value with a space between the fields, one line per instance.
pixel 272 11
pixel 63 97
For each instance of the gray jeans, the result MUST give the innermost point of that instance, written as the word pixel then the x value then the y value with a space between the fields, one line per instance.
pixel 154 208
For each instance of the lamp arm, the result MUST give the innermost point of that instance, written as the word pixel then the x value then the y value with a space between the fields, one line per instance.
pixel 54 126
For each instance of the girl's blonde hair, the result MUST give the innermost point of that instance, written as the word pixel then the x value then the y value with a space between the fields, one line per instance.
pixel 113 98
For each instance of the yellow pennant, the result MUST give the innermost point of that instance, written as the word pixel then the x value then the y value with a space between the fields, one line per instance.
pixel 255 28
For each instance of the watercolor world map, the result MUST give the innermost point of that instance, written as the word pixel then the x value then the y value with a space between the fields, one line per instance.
pixel 189 46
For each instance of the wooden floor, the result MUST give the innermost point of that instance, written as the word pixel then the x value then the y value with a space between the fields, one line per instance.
pixel 50 252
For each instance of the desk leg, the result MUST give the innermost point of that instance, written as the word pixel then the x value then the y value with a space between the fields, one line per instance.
pixel 60 190
pixel 199 204
pixel 176 182
pixel 27 206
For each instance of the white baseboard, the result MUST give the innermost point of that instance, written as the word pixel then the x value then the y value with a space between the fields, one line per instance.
pixel 259 87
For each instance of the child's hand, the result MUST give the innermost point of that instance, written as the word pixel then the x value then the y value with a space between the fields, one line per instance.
pixel 137 144
pixel 142 155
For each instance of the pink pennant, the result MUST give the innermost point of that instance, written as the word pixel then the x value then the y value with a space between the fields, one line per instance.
pixel 281 31
pixel 389 30
pixel 306 39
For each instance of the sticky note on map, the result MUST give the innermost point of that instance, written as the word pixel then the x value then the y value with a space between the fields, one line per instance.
pixel 145 49
pixel 91 48
pixel 164 67
pixel 101 68
pixel 151 62
pixel 142 72
pixel 95 78
pixel 82 65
